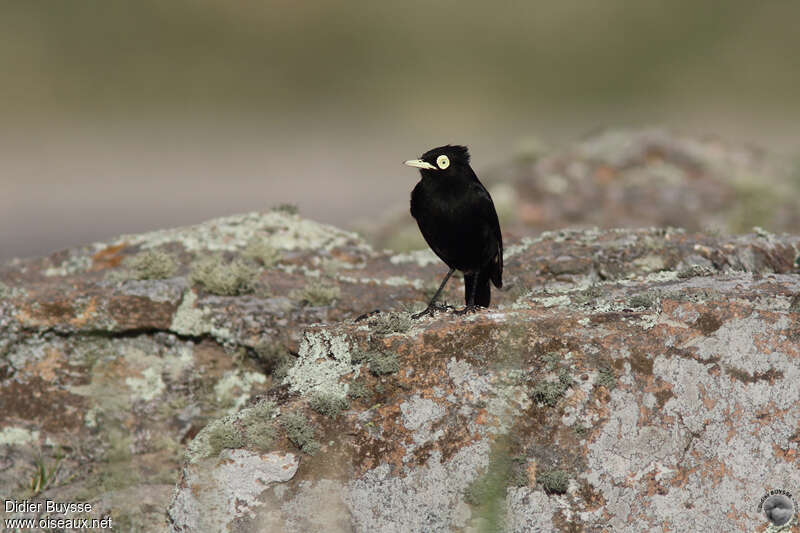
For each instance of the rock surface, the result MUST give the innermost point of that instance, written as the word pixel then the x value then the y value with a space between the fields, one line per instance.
pixel 624 380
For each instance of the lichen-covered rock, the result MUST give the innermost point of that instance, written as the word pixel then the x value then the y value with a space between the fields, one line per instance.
pixel 621 373
pixel 689 404
pixel 663 382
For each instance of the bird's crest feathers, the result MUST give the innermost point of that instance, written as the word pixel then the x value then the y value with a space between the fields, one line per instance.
pixel 454 151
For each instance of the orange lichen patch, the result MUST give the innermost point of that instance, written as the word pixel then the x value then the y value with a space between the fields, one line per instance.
pixel 345 257
pixel 652 485
pixel 108 257
pixel 44 314
pixel 737 516
pixel 46 368
pixel 456 437
pixel 705 397
pixel 593 499
pixel 766 416
pixel 735 415
pixel 481 418
pixel 682 474
pixel 716 471
pixel 530 471
pixel 789 456
pixel 87 312
pixel 577 398
pixel 661 389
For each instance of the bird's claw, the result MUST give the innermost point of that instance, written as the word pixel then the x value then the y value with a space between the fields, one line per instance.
pixel 469 309
pixel 431 310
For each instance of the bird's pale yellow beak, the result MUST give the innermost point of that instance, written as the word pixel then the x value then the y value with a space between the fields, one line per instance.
pixel 419 163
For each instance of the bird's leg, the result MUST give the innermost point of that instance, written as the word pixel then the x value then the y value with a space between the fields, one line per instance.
pixel 432 307
pixel 471 307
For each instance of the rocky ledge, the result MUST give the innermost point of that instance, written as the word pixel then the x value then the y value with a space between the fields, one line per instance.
pixel 232 376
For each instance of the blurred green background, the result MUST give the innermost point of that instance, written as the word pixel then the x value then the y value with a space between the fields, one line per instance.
pixel 119 117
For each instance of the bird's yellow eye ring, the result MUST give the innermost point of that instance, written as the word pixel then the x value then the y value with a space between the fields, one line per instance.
pixel 443 162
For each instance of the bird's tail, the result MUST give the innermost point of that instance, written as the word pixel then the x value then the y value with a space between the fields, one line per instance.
pixel 482 291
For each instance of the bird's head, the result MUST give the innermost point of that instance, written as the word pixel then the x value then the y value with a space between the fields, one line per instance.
pixel 444 160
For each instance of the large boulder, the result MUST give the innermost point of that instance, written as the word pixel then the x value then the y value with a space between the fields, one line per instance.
pixel 232 376
pixel 631 381
pixel 113 356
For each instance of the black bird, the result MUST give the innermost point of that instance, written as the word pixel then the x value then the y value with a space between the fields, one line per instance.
pixel 456 216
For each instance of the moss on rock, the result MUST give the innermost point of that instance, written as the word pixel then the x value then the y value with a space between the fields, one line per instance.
pixel 316 294
pixel 216 276
pixel 329 405
pixel 300 432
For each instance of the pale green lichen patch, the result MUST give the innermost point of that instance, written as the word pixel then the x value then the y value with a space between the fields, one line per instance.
pixel 694 271
pixel 550 392
pixel 421 258
pixel 552 301
pixel 516 249
pixel 196 321
pixel 383 363
pixel 150 264
pixel 261 252
pixel 17 436
pixel 216 436
pixel 329 405
pixel 359 390
pixel 10 292
pixel 554 481
pixel 233 388
pixel 645 300
pixel 388 323
pixel 650 263
pixel 251 427
pixel 316 294
pixel 73 264
pixel 665 275
pixel 276 228
pixel 300 432
pixel 225 278
pixel 147 387
pixel 124 372
pixel 606 378
pixel 380 363
pixel 322 360
pixel 222 437
pixel 188 319
pixel 258 426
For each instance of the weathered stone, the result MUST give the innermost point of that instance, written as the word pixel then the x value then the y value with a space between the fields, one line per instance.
pixel 703 417
pixel 105 385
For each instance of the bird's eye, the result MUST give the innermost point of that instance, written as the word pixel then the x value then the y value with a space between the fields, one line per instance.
pixel 443 162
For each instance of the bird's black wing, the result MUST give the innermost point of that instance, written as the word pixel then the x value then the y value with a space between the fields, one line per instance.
pixel 488 214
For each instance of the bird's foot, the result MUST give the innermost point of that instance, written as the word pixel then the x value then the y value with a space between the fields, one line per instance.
pixel 431 310
pixel 469 309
